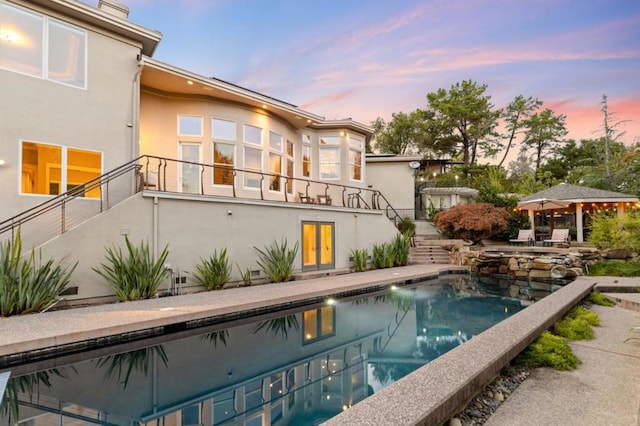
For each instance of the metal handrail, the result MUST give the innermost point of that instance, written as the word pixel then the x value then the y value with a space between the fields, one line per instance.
pixel 140 170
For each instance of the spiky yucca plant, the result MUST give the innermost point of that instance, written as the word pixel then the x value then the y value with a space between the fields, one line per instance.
pixel 383 256
pixel 213 273
pixel 276 261
pixel 135 276
pixel 400 246
pixel 360 257
pixel 28 285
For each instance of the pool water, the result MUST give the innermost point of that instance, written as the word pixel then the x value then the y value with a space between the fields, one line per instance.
pixel 298 369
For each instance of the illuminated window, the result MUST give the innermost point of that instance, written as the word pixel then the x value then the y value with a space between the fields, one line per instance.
pixel 355 164
pixel 306 161
pixel 223 154
pixel 329 163
pixel 275 169
pixel 54 169
pixel 318 323
pixel 40 46
pixel 290 166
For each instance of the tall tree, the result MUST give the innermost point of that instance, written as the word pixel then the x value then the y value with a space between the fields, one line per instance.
pixel 544 131
pixel 465 119
pixel 611 133
pixel 515 116
pixel 404 134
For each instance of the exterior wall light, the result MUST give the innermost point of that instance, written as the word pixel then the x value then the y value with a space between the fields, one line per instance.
pixel 2 162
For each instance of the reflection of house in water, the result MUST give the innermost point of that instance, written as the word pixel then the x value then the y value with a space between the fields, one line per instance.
pixel 299 369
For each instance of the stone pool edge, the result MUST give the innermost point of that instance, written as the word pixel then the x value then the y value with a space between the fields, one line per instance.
pixel 435 392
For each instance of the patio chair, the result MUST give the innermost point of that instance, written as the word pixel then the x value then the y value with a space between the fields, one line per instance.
pixel 525 236
pixel 306 199
pixel 558 236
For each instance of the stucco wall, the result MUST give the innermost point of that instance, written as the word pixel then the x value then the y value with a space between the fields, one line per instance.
pixel 396 182
pixel 48 112
pixel 194 227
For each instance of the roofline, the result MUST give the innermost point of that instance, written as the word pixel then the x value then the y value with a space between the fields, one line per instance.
pixel 229 88
pixel 341 124
pixel 92 15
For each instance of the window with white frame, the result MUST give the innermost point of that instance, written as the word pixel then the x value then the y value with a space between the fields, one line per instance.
pixel 54 169
pixel 252 163
pixel 275 161
pixel 223 129
pixel 223 163
pixel 329 152
pixel 306 156
pixel 290 166
pixel 189 125
pixel 252 135
pixel 42 47
pixel 355 158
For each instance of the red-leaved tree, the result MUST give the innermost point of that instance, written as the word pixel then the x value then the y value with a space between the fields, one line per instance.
pixel 474 222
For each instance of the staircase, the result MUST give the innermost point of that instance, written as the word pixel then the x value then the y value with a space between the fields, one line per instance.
pixel 428 249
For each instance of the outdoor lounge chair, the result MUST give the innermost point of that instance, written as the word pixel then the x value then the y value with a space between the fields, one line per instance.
pixel 525 236
pixel 305 199
pixel 558 236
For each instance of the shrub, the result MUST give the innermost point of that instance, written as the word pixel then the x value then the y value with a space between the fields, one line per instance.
pixel 215 272
pixel 29 285
pixel 548 351
pixel 276 261
pixel 574 329
pixel 616 232
pixel 615 268
pixel 400 247
pixel 580 312
pixel 136 276
pixel 360 257
pixel 383 256
pixel 407 227
pixel 599 299
pixel 474 222
pixel 245 275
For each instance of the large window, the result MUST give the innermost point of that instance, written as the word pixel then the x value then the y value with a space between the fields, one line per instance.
pixel 223 163
pixel 275 161
pixel 252 162
pixel 223 129
pixel 329 157
pixel 306 156
pixel 290 166
pixel 318 323
pixel 355 158
pixel 42 47
pixel 252 135
pixel 55 169
pixel 189 125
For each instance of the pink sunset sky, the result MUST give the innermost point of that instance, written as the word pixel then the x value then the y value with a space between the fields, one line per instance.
pixel 368 59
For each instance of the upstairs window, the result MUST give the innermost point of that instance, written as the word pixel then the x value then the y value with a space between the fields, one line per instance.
pixel 42 47
pixel 189 125
pixel 223 129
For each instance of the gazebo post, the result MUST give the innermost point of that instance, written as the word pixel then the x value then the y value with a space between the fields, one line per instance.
pixel 579 231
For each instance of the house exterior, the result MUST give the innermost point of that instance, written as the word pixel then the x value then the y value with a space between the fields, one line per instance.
pixel 192 163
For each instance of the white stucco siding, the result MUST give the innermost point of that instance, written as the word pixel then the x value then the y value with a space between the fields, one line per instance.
pixel 396 182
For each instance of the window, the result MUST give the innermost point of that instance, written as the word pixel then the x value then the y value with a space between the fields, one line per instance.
pixel 290 166
pixel 306 156
pixel 329 140
pixel 252 135
pixel 275 168
pixel 189 126
pixel 40 46
pixel 275 142
pixel 355 164
pixel 253 162
pixel 318 323
pixel 223 129
pixel 54 169
pixel 329 163
pixel 223 163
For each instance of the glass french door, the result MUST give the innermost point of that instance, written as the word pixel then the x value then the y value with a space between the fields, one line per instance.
pixel 189 174
pixel 318 245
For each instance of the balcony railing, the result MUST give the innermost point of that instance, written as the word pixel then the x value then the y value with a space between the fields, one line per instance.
pixel 150 173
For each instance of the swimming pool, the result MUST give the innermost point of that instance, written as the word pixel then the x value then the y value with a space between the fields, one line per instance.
pixel 301 368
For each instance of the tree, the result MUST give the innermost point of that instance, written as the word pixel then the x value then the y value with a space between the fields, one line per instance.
pixel 611 133
pixel 515 116
pixel 465 120
pixel 405 133
pixel 544 131
pixel 474 221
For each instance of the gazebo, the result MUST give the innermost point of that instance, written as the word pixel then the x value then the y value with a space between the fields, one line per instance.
pixel 577 203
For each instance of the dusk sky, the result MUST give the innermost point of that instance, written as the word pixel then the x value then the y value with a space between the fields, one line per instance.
pixel 365 59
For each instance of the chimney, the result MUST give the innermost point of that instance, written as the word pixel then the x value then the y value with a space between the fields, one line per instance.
pixel 114 8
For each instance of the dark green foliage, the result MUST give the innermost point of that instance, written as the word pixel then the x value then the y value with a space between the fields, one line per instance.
pixel 383 256
pixel 548 351
pixel 276 261
pixel 29 285
pixel 135 276
pixel 616 231
pixel 122 365
pixel 215 272
pixel 216 336
pixel 599 299
pixel 615 268
pixel 360 258
pixel 407 227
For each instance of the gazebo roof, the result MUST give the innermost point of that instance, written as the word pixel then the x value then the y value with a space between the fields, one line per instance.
pixel 578 194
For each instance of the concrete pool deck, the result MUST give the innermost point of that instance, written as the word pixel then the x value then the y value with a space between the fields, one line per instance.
pixel 428 396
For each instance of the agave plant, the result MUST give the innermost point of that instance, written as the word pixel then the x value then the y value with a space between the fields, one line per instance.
pixel 276 261
pixel 279 325
pixel 29 285
pixel 360 257
pixel 215 272
pixel 136 276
